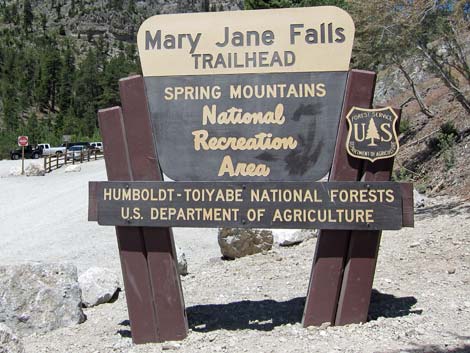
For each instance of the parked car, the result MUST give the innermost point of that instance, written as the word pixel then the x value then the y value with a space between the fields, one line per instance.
pixel 29 152
pixel 98 146
pixel 47 150
pixel 71 144
pixel 75 152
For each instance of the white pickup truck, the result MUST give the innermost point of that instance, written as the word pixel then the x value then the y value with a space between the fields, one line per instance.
pixel 47 150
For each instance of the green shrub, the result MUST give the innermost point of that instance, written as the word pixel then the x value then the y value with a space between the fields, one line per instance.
pixel 443 143
pixel 401 175
pixel 444 139
pixel 405 126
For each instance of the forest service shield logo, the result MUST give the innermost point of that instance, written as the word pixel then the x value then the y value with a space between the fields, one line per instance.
pixel 372 133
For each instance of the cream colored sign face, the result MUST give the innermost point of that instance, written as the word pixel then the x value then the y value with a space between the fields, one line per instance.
pixel 314 39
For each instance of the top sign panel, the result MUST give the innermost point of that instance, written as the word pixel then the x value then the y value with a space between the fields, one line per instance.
pixel 316 39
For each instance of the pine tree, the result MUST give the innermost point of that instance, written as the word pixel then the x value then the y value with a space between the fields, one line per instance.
pixel 131 6
pixel 49 78
pixel 265 4
pixel 28 16
pixel 372 133
pixel 14 14
pixel 66 79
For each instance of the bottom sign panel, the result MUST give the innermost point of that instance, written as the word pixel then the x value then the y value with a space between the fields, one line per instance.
pixel 332 205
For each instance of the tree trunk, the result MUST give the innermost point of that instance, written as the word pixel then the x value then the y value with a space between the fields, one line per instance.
pixel 464 67
pixel 422 105
pixel 447 79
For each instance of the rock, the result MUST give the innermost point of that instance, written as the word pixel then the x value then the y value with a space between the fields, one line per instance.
pixel 170 346
pixel 98 286
pixel 9 343
pixel 237 242
pixel 182 263
pixel 419 199
pixel 15 171
pixel 39 297
pixel 73 168
pixel 35 169
pixel 286 237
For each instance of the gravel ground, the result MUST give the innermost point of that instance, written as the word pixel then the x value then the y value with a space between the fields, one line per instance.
pixel 420 303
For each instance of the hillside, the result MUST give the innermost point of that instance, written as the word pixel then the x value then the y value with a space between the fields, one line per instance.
pixel 434 151
pixel 60 61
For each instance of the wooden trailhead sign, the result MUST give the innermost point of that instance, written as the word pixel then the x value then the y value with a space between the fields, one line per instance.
pixel 246 111
pixel 248 95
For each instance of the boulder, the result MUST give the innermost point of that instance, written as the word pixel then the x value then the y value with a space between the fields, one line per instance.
pixel 35 169
pixel 39 297
pixel 182 263
pixel 419 199
pixel 98 286
pixel 9 343
pixel 15 171
pixel 287 237
pixel 73 168
pixel 238 242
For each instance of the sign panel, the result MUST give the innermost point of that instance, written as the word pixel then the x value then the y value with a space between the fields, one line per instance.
pixel 249 95
pixel 333 205
pixel 372 133
pixel 23 141
pixel 312 39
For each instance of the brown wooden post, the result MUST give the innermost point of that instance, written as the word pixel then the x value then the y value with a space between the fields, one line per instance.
pixel 45 163
pixel 332 246
pixel 22 160
pixel 354 300
pixel 159 242
pixel 132 252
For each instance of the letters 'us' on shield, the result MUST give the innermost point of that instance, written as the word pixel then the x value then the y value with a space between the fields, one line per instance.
pixel 248 95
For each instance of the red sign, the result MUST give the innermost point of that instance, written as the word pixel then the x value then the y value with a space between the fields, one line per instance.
pixel 23 141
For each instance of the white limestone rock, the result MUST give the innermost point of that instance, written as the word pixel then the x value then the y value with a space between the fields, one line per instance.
pixel 287 237
pixel 9 342
pixel 238 242
pixel 73 168
pixel 98 285
pixel 39 297
pixel 35 169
